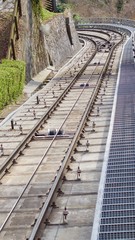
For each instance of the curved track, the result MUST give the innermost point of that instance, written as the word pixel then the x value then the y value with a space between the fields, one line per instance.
pixel 39 170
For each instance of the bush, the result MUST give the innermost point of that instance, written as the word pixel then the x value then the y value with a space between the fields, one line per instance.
pixel 62 7
pixel 40 12
pixel 21 66
pixel 76 18
pixel 12 78
pixel 4 97
pixel 119 5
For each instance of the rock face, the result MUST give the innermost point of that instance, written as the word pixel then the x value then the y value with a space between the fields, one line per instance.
pixel 50 43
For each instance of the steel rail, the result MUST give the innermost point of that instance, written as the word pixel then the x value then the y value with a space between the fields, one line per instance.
pixel 40 162
pixel 71 148
pixel 11 211
pixel 29 136
pixel 37 167
pixel 103 26
pixel 92 35
pixel 97 30
pixel 25 187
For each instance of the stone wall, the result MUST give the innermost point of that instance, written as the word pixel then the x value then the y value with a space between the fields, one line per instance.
pixel 5 26
pixel 41 45
pixel 6 12
pixel 31 47
pixel 57 40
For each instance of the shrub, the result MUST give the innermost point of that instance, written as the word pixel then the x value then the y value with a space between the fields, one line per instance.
pixel 20 65
pixel 40 12
pixel 76 18
pixel 119 5
pixel 62 7
pixel 12 78
pixel 4 97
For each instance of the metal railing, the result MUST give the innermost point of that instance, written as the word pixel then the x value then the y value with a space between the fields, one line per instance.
pixel 14 33
pixel 50 5
pixel 121 21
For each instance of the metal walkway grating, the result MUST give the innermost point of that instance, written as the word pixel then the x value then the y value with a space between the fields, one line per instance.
pixel 117 216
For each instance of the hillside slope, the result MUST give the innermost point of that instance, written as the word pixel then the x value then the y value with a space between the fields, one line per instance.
pixel 104 8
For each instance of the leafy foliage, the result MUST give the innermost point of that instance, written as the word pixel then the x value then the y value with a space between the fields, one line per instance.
pixel 119 5
pixel 12 78
pixel 40 11
pixel 63 1
pixel 36 5
pixel 76 18
pixel 62 5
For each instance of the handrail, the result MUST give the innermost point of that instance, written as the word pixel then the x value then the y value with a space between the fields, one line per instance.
pixel 120 21
pixel 14 33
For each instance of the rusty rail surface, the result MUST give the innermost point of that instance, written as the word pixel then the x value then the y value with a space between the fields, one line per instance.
pixel 14 33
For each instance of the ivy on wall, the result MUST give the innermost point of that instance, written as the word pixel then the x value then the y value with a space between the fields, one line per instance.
pixel 12 78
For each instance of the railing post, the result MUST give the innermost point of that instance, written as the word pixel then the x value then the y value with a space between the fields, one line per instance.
pixel 16 26
pixel 54 5
pixel 14 33
pixel 20 8
pixel 13 49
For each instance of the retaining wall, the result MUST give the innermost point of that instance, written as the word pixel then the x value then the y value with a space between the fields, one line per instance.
pixel 45 44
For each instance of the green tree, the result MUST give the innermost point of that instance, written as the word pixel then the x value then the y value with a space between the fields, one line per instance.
pixel 119 5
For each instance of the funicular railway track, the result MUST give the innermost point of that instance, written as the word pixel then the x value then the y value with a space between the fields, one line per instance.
pixel 44 166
